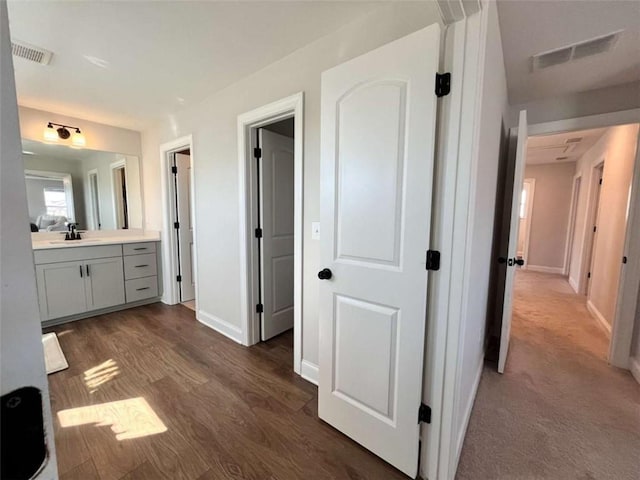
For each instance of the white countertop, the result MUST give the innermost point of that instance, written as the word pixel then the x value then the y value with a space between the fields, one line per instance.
pixel 92 239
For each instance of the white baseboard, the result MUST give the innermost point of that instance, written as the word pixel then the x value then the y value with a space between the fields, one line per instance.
pixel 543 269
pixel 467 414
pixel 309 371
pixel 634 366
pixel 220 326
pixel 573 284
pixel 606 326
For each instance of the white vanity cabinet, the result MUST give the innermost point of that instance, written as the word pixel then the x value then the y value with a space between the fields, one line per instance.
pixel 79 281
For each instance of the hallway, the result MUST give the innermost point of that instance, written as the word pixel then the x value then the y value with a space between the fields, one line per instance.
pixel 559 411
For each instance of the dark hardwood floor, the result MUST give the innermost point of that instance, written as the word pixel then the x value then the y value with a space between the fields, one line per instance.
pixel 169 398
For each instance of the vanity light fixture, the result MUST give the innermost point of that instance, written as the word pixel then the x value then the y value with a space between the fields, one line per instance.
pixel 51 134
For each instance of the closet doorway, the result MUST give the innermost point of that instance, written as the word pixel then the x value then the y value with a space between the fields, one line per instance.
pixel 179 251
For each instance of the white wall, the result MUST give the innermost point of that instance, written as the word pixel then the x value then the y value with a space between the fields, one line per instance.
pixel 21 355
pixel 101 161
pixel 617 148
pixel 550 215
pixel 213 125
pixel 482 206
pixel 592 102
pixel 635 345
pixel 98 136
pixel 619 154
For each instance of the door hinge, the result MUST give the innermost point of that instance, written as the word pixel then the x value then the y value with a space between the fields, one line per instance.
pixel 443 84
pixel 257 152
pixel 600 182
pixel 624 259
pixel 424 413
pixel 433 260
pixel 258 233
pixel 174 170
pixel 589 275
pixel 259 308
pixel 179 278
pixel 176 225
pixel 594 229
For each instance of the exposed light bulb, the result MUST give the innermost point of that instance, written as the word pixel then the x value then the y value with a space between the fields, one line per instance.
pixel 50 134
pixel 78 140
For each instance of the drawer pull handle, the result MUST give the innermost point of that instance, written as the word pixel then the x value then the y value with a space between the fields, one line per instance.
pixel 140 266
pixel 143 288
pixel 140 248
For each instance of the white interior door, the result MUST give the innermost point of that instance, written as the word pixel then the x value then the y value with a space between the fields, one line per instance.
pixel 518 178
pixel 185 231
pixel 276 219
pixel 378 122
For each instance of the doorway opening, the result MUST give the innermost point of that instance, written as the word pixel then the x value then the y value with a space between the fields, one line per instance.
pixel 94 199
pixel 576 282
pixel 179 246
pixel 183 226
pixel 120 201
pixel 270 160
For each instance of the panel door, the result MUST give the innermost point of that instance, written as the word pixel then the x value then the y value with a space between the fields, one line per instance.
pixel 185 232
pixel 507 309
pixel 378 125
pixel 105 282
pixel 276 218
pixel 61 289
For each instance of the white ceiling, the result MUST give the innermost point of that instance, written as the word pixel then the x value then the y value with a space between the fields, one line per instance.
pixel 547 148
pixel 157 57
pixel 529 27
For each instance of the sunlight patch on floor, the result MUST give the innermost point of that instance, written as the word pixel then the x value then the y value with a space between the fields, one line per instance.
pixel 96 376
pixel 131 418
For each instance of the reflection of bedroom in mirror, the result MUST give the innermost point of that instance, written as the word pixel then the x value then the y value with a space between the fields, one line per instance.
pixel 93 189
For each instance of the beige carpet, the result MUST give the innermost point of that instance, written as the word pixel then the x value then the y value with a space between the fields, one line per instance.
pixel 559 411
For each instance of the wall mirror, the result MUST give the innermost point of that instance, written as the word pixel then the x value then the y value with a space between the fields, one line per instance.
pixel 93 189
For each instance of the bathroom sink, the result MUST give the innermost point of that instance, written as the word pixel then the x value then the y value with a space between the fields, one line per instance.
pixel 75 242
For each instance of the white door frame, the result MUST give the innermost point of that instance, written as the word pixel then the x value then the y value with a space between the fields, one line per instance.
pixel 571 227
pixel 292 106
pixel 93 206
pixel 529 207
pixel 588 242
pixel 170 270
pixel 624 319
pixel 115 196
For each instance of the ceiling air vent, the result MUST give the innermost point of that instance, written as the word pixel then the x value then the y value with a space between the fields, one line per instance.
pixel 31 52
pixel 575 51
pixel 548 59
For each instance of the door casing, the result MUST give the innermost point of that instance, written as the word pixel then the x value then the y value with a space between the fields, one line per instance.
pixel 292 106
pixel 170 266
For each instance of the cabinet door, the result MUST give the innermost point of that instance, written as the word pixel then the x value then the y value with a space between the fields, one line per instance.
pixel 105 282
pixel 61 289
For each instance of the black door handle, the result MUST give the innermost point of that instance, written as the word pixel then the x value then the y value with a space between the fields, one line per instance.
pixel 519 261
pixel 325 274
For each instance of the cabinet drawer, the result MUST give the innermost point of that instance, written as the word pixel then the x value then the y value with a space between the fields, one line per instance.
pixel 137 266
pixel 141 288
pixel 138 248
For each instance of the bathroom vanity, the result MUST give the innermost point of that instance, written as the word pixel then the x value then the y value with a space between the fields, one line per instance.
pixel 79 279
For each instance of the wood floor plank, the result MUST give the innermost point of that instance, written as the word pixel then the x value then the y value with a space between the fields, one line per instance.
pixel 84 471
pixel 226 411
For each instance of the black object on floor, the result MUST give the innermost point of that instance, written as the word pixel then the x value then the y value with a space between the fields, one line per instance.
pixel 22 444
